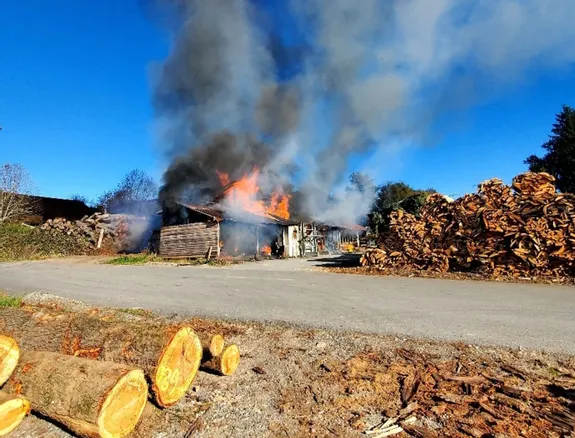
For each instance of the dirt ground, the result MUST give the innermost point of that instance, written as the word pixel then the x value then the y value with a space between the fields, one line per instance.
pixel 346 267
pixel 303 383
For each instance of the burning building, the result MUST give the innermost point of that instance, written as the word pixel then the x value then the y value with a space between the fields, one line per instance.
pixel 238 221
pixel 210 231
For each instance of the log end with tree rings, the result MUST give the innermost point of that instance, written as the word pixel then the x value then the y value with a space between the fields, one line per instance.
pixel 230 360
pixel 225 364
pixel 123 406
pixel 177 367
pixel 9 355
pixel 216 346
pixel 13 409
pixel 91 398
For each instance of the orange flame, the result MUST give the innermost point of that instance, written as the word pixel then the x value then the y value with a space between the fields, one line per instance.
pixel 244 192
pixel 224 178
pixel 266 250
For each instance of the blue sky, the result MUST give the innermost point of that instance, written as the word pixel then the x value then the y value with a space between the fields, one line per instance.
pixel 75 106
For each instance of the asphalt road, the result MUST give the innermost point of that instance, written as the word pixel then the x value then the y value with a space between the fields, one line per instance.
pixel 516 315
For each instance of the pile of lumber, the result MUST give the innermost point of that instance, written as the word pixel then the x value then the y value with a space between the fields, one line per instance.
pixel 94 229
pixel 523 230
pixel 93 376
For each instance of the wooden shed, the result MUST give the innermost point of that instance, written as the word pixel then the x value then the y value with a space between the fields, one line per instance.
pixel 201 239
pixel 194 231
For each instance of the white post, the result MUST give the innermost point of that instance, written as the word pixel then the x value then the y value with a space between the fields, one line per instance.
pixel 100 238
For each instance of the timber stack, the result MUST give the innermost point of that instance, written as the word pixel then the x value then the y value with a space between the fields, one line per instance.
pixel 525 230
pixel 93 229
pixel 94 376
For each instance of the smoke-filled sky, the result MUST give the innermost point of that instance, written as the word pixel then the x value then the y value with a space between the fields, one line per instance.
pixel 411 89
pixel 343 79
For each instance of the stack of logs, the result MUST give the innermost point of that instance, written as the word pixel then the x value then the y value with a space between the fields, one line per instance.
pixel 93 376
pixel 93 229
pixel 523 230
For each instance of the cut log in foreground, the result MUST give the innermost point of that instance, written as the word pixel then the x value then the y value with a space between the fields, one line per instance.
pixel 213 345
pixel 177 367
pixel 13 409
pixel 9 354
pixel 170 356
pixel 225 364
pixel 92 399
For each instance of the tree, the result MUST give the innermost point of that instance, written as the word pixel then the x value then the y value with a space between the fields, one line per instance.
pixel 392 196
pixel 135 186
pixel 559 159
pixel 391 193
pixel 361 183
pixel 15 190
pixel 80 198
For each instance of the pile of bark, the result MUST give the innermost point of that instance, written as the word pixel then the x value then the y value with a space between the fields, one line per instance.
pixel 94 229
pixel 93 376
pixel 523 230
pixel 424 395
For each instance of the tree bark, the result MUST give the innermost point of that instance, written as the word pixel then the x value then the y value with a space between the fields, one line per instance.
pixel 170 356
pixel 225 364
pixel 13 409
pixel 90 398
pixel 9 354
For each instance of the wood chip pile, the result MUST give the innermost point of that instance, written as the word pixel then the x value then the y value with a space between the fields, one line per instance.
pixel 427 397
pixel 93 376
pixel 523 230
pixel 114 228
pixel 509 403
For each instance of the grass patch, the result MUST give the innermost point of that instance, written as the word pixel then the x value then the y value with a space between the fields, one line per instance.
pixel 8 301
pixel 203 261
pixel 142 259
pixel 136 259
pixel 21 242
pixel 137 312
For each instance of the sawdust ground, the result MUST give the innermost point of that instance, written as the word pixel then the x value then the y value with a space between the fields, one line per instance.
pixel 404 272
pixel 299 383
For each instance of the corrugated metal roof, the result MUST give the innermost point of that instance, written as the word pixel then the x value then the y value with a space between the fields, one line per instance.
pixel 216 212
pixel 354 227
pixel 212 211
pixel 351 227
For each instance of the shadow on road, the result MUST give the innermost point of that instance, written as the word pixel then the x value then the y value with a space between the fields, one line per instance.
pixel 342 261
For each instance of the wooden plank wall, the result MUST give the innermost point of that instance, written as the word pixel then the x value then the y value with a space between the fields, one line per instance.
pixel 190 240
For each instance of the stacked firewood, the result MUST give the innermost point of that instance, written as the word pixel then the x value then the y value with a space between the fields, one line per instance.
pixel 94 228
pixel 94 376
pixel 523 230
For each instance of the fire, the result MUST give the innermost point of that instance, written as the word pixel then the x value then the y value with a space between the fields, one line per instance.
pixel 267 250
pixel 279 206
pixel 224 178
pixel 244 192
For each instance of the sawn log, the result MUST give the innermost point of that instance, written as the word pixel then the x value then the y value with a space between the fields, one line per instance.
pixel 9 355
pixel 13 409
pixel 90 398
pixel 170 356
